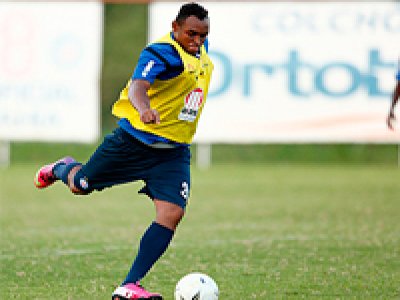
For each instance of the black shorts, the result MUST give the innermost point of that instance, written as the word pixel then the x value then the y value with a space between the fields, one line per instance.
pixel 121 158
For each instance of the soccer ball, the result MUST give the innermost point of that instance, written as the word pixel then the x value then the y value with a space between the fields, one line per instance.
pixel 196 286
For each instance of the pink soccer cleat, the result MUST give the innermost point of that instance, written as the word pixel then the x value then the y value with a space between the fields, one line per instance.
pixel 134 291
pixel 45 177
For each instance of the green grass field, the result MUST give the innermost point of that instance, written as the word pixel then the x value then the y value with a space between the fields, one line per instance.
pixel 261 231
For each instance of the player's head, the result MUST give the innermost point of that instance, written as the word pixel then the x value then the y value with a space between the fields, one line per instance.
pixel 191 27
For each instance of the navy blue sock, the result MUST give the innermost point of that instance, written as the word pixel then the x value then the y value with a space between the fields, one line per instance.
pixel 153 244
pixel 61 170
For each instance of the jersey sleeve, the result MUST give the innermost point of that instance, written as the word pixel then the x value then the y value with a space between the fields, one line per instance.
pixel 149 66
pixel 398 75
pixel 206 43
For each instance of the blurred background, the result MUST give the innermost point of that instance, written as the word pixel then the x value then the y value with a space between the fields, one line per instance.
pixel 293 81
pixel 295 189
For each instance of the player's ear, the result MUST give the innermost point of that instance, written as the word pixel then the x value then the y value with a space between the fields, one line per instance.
pixel 175 29
pixel 175 26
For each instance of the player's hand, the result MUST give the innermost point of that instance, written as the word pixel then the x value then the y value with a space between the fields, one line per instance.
pixel 390 119
pixel 150 116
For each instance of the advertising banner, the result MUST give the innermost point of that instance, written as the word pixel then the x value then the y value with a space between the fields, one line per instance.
pixel 297 72
pixel 50 58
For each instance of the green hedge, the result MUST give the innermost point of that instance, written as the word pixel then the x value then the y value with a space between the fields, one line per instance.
pixel 327 153
pixel 125 35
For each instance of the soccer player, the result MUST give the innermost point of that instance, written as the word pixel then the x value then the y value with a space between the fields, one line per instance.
pixel 395 97
pixel 158 111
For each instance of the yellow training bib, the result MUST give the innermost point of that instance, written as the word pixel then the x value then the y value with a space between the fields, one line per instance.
pixel 178 100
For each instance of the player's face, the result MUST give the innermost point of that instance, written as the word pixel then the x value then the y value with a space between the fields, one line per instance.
pixel 191 33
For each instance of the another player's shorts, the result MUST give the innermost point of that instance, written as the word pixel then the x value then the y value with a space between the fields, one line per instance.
pixel 121 158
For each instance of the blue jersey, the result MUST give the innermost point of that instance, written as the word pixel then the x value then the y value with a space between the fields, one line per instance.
pixel 157 61
pixel 398 75
pixel 151 64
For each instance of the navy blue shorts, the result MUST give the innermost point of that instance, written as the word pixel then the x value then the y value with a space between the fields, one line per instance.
pixel 121 158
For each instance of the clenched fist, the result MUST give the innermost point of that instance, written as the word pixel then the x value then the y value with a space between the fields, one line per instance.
pixel 150 116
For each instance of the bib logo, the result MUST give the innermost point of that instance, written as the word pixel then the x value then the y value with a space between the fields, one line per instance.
pixel 192 104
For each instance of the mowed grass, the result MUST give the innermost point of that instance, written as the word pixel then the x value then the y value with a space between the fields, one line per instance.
pixel 261 231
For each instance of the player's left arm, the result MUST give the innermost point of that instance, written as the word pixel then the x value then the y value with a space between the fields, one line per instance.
pixel 395 98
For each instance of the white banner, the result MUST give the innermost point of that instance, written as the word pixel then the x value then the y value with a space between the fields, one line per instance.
pixel 297 72
pixel 50 58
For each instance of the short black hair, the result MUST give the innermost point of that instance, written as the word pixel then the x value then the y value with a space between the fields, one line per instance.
pixel 191 9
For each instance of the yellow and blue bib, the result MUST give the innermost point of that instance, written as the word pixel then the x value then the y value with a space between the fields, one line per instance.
pixel 179 100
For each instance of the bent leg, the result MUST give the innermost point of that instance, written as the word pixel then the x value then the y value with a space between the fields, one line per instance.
pixel 115 161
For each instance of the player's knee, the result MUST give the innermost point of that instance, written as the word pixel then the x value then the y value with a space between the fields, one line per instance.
pixel 78 183
pixel 177 215
pixel 171 220
pixel 169 215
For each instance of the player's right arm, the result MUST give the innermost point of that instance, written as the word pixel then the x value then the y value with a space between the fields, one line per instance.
pixel 138 96
pixel 148 68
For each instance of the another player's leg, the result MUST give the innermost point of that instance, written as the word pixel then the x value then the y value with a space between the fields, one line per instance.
pixel 153 244
pixel 47 174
